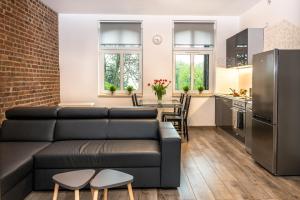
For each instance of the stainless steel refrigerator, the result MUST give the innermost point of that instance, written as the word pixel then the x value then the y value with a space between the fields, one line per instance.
pixel 276 111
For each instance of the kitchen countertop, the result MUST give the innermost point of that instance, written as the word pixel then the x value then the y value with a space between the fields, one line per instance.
pixel 228 96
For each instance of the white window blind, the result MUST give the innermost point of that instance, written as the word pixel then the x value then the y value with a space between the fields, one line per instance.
pixel 120 34
pixel 193 34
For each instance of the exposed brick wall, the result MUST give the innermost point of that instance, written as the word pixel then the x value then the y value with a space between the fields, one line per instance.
pixel 29 69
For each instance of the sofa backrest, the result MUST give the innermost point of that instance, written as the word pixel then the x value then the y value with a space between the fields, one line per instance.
pixel 133 123
pixel 29 124
pixel 84 123
pixel 88 123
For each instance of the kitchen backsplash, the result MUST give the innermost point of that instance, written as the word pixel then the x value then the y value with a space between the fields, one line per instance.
pixel 233 78
pixel 283 35
pixel 245 78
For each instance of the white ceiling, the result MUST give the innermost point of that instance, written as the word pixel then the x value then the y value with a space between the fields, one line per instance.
pixel 152 7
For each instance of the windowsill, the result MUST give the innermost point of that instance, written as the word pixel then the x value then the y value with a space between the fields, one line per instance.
pixel 106 95
pixel 141 95
pixel 195 94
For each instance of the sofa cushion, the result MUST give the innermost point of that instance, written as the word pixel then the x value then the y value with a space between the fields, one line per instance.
pixel 16 162
pixel 32 113
pixel 131 153
pixel 98 154
pixel 84 129
pixel 133 129
pixel 82 113
pixel 27 130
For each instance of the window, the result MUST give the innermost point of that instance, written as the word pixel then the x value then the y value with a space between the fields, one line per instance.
pixel 191 69
pixel 120 56
pixel 192 52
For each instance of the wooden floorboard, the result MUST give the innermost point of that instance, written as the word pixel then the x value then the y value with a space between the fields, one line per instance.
pixel 214 167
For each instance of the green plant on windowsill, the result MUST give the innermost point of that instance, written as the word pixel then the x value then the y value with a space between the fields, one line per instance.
pixel 112 89
pixel 129 89
pixel 186 89
pixel 200 89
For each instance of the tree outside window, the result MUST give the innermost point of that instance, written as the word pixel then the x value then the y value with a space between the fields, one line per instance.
pixel 191 70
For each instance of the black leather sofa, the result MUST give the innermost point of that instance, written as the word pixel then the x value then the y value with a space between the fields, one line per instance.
pixel 38 142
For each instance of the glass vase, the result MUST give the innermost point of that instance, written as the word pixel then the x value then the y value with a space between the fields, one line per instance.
pixel 159 96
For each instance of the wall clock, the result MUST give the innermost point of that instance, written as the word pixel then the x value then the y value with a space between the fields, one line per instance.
pixel 157 39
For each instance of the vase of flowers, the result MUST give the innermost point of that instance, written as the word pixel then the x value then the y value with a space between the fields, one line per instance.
pixel 160 87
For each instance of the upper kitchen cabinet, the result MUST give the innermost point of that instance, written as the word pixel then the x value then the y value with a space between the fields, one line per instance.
pixel 230 52
pixel 241 47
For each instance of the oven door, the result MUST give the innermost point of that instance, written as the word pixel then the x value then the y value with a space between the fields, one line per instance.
pixel 239 121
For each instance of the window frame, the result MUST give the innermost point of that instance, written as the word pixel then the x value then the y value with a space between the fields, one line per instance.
pixel 192 66
pixel 193 51
pixel 121 50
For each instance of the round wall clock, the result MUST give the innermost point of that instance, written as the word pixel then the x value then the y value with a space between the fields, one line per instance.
pixel 157 39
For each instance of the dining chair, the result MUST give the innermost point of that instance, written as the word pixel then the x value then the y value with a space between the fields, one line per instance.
pixel 180 122
pixel 177 110
pixel 185 117
pixel 134 100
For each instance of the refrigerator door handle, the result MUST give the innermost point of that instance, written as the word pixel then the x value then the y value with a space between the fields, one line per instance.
pixel 262 120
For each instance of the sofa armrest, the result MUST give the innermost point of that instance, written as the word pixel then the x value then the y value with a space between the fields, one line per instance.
pixel 170 143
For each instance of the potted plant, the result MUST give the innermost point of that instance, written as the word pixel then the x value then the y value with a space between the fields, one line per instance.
pixel 160 87
pixel 112 89
pixel 200 89
pixel 186 89
pixel 129 89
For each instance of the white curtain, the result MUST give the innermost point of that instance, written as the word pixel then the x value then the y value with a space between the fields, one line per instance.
pixel 193 34
pixel 120 33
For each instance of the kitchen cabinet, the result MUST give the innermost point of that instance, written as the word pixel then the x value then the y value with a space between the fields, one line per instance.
pixel 241 47
pixel 248 137
pixel 223 113
pixel 218 111
pixel 230 52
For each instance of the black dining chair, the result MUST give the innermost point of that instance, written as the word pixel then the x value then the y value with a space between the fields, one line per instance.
pixel 134 100
pixel 177 111
pixel 180 122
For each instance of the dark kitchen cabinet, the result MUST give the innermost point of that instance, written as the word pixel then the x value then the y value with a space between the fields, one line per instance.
pixel 241 47
pixel 218 111
pixel 223 113
pixel 230 52
pixel 248 136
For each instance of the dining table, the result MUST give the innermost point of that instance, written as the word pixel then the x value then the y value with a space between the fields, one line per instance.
pixel 168 103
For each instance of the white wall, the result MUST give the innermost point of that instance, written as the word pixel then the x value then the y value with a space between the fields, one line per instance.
pixel 281 20
pixel 78 47
pixel 263 14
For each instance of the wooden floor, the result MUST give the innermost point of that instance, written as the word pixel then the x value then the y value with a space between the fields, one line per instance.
pixel 214 166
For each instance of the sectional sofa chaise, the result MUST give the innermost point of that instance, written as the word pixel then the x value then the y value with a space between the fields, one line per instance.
pixel 38 142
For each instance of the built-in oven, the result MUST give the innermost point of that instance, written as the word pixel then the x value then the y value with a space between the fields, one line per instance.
pixel 239 119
